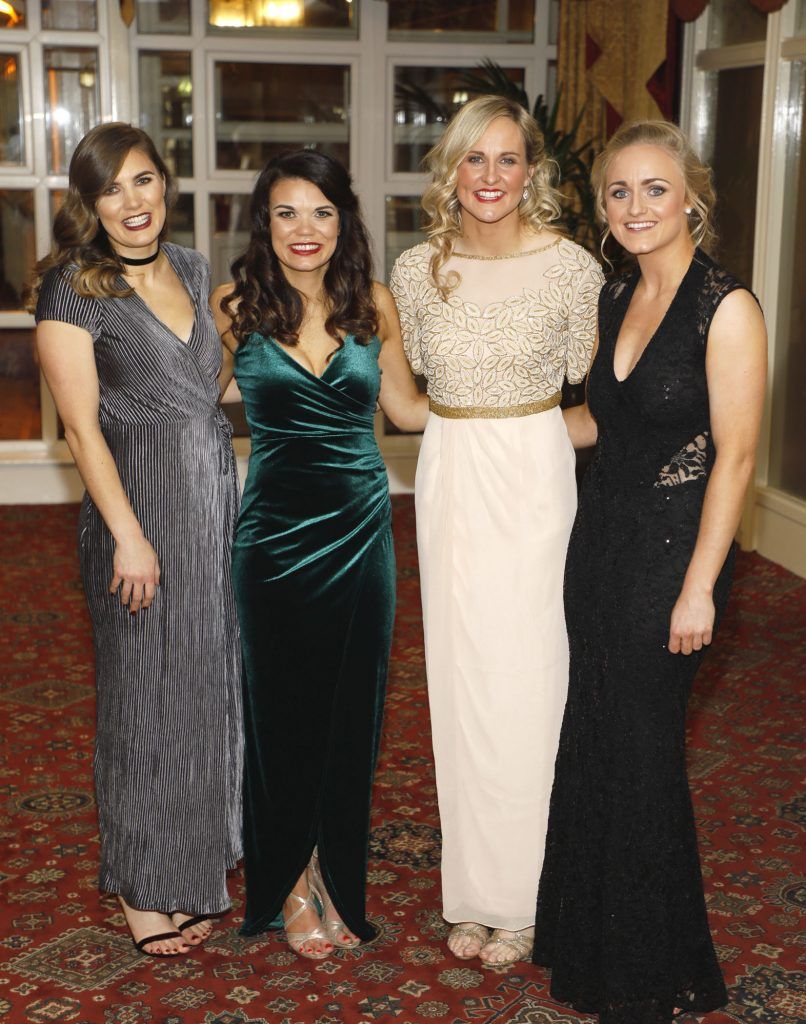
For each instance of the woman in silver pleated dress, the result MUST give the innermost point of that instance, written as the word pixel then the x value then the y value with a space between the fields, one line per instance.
pixel 131 354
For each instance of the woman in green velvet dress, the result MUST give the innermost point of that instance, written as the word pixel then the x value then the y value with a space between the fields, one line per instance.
pixel 316 345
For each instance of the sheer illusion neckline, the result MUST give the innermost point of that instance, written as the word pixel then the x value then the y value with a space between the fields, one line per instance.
pixel 629 292
pixel 508 255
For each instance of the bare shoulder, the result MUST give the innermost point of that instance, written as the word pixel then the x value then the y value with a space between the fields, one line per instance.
pixel 738 312
pixel 381 296
pixel 737 334
pixel 223 317
pixel 220 293
pixel 388 321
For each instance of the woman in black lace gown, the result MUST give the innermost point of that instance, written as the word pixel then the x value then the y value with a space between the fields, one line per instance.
pixel 674 405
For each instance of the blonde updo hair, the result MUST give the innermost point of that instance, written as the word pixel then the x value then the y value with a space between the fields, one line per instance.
pixel 440 203
pixel 700 195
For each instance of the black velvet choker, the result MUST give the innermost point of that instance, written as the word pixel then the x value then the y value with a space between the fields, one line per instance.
pixel 139 263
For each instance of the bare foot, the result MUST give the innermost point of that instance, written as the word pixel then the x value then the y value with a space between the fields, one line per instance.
pixel 507 947
pixel 197 933
pixel 467 939
pixel 143 923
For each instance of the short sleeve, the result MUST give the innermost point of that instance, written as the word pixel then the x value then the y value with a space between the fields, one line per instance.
pixel 58 301
pixel 400 285
pixel 582 317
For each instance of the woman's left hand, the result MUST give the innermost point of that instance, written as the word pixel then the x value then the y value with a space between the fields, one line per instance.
pixel 692 625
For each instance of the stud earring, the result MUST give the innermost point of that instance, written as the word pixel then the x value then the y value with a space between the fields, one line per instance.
pixel 688 210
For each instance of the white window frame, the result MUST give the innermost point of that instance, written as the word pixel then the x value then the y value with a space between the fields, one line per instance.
pixel 42 470
pixel 774 523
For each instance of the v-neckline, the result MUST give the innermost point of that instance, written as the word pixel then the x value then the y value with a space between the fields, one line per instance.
pixel 661 322
pixel 302 366
pixel 181 278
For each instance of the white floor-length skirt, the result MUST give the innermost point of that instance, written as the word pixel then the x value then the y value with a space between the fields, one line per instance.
pixel 495 501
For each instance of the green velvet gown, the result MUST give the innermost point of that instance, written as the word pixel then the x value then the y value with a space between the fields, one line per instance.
pixel 314 577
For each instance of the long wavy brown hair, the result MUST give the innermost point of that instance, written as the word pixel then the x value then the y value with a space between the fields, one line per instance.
pixel 263 301
pixel 80 242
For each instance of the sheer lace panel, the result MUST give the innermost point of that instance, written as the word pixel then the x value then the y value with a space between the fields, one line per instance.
pixel 687 464
pixel 484 282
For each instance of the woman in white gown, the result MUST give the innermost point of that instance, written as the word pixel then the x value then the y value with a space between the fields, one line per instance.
pixel 496 310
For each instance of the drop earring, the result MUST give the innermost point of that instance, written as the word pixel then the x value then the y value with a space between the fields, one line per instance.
pixel 525 192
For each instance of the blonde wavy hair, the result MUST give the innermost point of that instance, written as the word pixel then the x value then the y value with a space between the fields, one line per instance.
pixel 700 195
pixel 440 203
pixel 80 243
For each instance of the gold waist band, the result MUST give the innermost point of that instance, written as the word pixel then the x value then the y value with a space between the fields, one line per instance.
pixel 492 412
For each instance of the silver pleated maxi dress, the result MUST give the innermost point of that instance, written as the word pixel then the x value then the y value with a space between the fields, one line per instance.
pixel 168 751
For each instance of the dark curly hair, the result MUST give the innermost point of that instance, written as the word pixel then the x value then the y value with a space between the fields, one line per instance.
pixel 264 301
pixel 80 242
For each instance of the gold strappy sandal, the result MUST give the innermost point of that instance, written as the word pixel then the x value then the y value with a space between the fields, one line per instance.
pixel 296 940
pixel 472 931
pixel 335 928
pixel 516 943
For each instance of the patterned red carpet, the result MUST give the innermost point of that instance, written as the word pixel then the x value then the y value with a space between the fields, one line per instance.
pixel 64 951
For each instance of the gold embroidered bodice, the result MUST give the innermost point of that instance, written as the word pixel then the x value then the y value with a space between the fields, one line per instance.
pixel 511 330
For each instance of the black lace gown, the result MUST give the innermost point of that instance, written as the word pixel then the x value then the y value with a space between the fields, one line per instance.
pixel 620 913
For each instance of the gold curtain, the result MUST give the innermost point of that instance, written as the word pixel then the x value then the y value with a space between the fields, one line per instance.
pixel 607 53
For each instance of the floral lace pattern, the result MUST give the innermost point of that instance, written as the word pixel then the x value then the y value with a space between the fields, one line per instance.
pixel 512 351
pixel 687 464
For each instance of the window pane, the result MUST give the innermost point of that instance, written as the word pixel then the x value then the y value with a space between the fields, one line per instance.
pixel 17 252
pixel 800 28
pixel 403 230
pixel 403 227
pixel 169 16
pixel 266 109
pixel 787 463
pixel 20 410
pixel 735 120
pixel 166 92
pixel 732 22
pixel 71 101
pixel 181 221
pixel 11 140
pixel 554 22
pixel 293 15
pixel 425 100
pixel 70 14
pixel 56 199
pixel 551 83
pixel 12 15
pixel 512 20
pixel 229 228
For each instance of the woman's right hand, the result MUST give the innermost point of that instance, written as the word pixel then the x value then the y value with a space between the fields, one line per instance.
pixel 137 573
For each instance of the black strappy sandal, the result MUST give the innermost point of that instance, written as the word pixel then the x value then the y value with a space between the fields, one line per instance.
pixel 191 921
pixel 140 946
